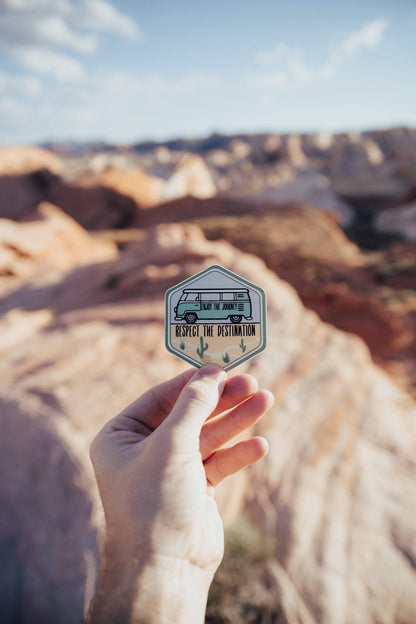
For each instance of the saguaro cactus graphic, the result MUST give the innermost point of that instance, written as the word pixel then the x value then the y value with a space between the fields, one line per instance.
pixel 202 348
pixel 242 345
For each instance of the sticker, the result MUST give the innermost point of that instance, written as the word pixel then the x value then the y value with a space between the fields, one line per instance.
pixel 215 316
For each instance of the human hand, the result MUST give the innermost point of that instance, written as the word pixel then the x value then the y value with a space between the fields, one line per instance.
pixel 157 464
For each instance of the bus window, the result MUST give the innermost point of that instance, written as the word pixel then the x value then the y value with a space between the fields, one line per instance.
pixel 211 296
pixel 228 296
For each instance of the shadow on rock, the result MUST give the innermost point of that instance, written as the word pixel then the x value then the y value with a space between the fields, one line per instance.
pixel 48 529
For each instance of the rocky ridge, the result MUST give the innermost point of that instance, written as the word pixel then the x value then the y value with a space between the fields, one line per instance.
pixel 50 241
pixel 341 434
pixel 354 175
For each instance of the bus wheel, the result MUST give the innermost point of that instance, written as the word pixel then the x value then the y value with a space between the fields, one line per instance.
pixel 235 318
pixel 191 317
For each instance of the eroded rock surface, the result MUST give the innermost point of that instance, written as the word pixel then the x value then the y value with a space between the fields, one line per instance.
pixel 144 189
pixel 50 241
pixel 370 295
pixel 25 159
pixel 330 490
pixel 49 528
pixel 337 490
pixel 401 220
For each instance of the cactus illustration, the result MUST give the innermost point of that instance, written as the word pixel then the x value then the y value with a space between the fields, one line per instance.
pixel 182 345
pixel 226 357
pixel 242 345
pixel 203 348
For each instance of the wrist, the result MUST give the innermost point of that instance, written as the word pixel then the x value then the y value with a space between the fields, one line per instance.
pixel 150 589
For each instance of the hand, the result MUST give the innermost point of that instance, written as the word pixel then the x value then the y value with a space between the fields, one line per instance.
pixel 157 464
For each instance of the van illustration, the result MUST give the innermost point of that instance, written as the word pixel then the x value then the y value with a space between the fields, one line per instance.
pixel 211 304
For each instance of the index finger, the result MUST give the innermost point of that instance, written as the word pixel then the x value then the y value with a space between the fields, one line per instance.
pixel 146 413
pixel 149 410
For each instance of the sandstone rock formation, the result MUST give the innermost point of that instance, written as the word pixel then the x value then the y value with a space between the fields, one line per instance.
pixel 50 241
pixel 370 295
pixel 27 175
pixel 95 207
pixel 49 523
pixel 396 142
pixel 103 186
pixel 19 194
pixel 337 490
pixel 179 177
pixel 308 187
pixel 144 189
pixel 353 151
pixel 15 160
pixel 190 176
pixel 292 151
pixel 401 219
pixel 115 198
pixel 327 489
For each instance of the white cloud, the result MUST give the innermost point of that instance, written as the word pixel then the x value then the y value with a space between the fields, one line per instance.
pixel 369 36
pixel 272 81
pixel 113 101
pixel 54 31
pixel 102 16
pixel 13 109
pixel 49 63
pixel 44 30
pixel 117 105
pixel 291 71
pixel 191 83
pixel 36 5
pixel 21 85
pixel 121 86
pixel 36 32
pixel 275 55
pixel 48 39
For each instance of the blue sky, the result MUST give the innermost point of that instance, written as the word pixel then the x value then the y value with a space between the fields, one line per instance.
pixel 124 71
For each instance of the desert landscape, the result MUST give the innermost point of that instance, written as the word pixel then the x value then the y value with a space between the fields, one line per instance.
pixel 92 235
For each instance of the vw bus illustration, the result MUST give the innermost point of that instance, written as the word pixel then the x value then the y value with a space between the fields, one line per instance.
pixel 210 304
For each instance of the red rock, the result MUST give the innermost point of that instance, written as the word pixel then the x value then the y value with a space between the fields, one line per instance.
pixel 22 160
pixel 370 295
pixel 145 190
pixel 27 174
pixel 95 207
pixel 337 490
pixel 50 242
pixel 401 220
pixel 19 194
pixel 190 176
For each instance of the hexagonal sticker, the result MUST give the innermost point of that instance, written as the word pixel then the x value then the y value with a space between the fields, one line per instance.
pixel 215 316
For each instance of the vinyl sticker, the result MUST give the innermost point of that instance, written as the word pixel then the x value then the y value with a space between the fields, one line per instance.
pixel 215 316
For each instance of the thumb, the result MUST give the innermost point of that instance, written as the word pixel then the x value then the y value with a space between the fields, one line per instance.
pixel 195 404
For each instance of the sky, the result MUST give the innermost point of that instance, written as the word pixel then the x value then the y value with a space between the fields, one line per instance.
pixel 124 71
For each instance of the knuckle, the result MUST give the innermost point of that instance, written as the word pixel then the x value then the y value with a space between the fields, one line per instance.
pixel 198 393
pixel 214 440
pixel 218 471
pixel 222 468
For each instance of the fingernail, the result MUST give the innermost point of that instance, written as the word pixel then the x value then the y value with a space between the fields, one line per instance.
pixel 213 371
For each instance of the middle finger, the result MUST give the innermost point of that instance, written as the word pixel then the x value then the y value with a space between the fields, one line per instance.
pixel 218 431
